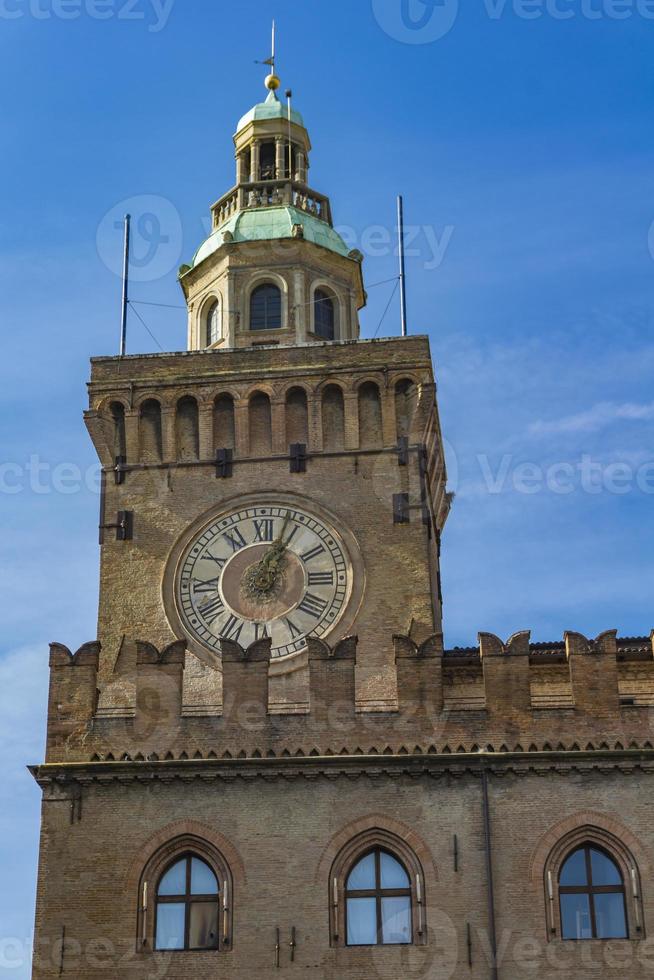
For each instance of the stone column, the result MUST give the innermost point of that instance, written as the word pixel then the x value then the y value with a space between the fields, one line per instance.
pixel 315 422
pixel 354 321
pixel 278 419
pixel 280 162
pixel 300 309
pixel 389 427
pixel 255 166
pixel 229 313
pixel 169 450
pixel 351 406
pixel 241 173
pixel 205 425
pixel 241 427
pixel 132 434
pixel 301 166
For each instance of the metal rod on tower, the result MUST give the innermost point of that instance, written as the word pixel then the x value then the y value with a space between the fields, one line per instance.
pixel 400 229
pixel 289 96
pixel 123 317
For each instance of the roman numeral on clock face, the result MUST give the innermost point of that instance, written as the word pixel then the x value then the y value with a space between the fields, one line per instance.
pixel 292 628
pixel 310 555
pixel 235 539
pixel 264 529
pixel 313 605
pixel 261 631
pixel 203 587
pixel 232 629
pixel 321 578
pixel 210 610
pixel 220 562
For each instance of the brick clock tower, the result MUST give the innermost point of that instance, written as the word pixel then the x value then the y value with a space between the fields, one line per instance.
pixel 267 762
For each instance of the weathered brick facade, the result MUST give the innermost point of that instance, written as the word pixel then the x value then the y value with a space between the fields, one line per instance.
pixel 480 769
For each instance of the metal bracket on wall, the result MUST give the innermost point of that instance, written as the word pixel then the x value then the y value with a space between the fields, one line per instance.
pixel 119 471
pixel 298 457
pixel 277 948
pixel 124 526
pixel 401 510
pixel 224 463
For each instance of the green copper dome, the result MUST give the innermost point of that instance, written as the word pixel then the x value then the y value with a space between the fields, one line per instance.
pixel 272 108
pixel 267 224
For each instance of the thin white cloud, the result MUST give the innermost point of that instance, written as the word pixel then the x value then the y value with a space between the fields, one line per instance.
pixel 596 418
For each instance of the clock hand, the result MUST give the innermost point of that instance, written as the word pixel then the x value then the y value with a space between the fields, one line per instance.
pixel 262 576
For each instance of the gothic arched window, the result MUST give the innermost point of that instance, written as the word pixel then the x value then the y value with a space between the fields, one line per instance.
pixel 214 331
pixel 266 308
pixel 592 896
pixel 378 902
pixel 188 906
pixel 324 315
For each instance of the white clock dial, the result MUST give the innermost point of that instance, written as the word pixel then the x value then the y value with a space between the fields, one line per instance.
pixel 263 571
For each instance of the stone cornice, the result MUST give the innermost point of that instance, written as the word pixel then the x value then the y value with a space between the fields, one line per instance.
pixel 517 763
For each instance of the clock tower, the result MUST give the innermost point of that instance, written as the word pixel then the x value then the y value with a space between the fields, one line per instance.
pixel 267 763
pixel 281 479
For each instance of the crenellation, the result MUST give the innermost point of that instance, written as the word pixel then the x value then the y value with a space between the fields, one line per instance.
pixel 185 704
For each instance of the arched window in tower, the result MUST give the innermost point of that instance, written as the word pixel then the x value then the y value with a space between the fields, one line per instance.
pixel 188 907
pixel 266 307
pixel 333 418
pixel 324 315
pixel 297 417
pixel 150 436
pixel 117 410
pixel 378 902
pixel 267 161
pixel 213 324
pixel 405 403
pixel 260 424
pixel 224 436
pixel 592 896
pixel 187 435
pixel 370 416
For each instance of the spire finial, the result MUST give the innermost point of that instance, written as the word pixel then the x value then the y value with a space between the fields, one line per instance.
pixel 272 80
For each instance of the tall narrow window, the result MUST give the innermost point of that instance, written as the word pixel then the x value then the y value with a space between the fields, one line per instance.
pixel 266 308
pixel 333 418
pixel 150 433
pixel 297 416
pixel 117 410
pixel 378 902
pixel 592 896
pixel 214 331
pixel 187 429
pixel 260 424
pixel 188 899
pixel 324 315
pixel 224 436
pixel 370 416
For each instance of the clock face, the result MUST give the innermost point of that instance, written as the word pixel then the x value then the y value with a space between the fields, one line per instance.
pixel 263 571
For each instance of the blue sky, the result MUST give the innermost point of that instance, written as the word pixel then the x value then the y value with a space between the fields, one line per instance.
pixel 520 135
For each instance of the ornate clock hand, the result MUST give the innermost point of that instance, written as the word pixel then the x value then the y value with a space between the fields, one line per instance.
pixel 261 578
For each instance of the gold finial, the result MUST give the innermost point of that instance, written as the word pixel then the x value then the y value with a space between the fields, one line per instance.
pixel 272 80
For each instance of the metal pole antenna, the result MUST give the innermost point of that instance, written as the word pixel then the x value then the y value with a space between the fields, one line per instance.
pixel 400 228
pixel 123 318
